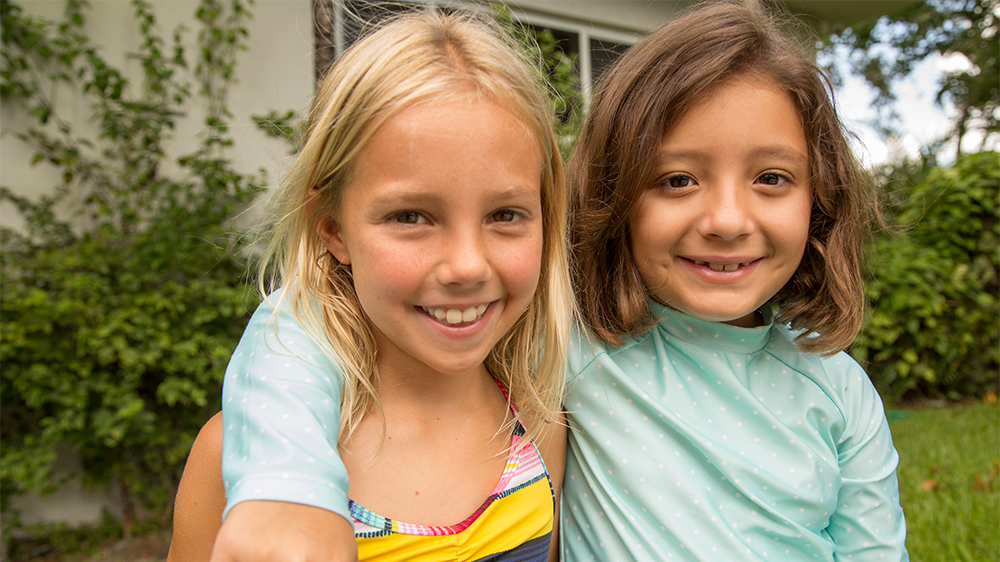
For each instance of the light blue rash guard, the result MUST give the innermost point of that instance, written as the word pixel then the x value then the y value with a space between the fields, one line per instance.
pixel 698 441
pixel 701 441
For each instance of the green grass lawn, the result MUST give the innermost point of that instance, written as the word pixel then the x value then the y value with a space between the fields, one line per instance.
pixel 949 486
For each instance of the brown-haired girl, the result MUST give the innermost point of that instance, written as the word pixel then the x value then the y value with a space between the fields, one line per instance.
pixel 718 222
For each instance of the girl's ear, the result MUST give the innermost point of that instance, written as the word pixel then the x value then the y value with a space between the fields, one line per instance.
pixel 328 230
pixel 330 234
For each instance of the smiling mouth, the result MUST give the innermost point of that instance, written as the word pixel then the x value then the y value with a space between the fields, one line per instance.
pixel 722 266
pixel 454 316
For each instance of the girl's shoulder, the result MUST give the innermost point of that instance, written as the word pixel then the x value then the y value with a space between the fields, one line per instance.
pixel 839 365
pixel 585 347
pixel 277 339
pixel 842 378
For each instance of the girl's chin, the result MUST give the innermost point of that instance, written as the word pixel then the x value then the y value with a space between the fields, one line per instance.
pixel 750 319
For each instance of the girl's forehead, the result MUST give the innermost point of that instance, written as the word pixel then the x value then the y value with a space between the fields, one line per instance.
pixel 735 90
pixel 462 99
pixel 449 142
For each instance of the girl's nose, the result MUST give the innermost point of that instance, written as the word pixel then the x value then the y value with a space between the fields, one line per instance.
pixel 465 260
pixel 727 214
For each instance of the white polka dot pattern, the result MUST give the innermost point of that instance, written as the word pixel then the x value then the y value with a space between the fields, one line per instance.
pixel 744 450
pixel 281 409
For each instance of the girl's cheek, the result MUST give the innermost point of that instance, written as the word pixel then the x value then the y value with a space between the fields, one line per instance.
pixel 522 265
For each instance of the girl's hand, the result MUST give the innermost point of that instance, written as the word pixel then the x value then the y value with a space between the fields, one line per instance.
pixel 266 531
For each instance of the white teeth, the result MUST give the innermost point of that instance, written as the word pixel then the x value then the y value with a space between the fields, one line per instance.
pixel 456 316
pixel 721 266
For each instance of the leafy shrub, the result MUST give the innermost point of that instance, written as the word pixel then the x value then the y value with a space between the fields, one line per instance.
pixel 933 322
pixel 117 322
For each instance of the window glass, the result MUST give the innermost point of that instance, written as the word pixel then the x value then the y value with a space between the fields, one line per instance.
pixel 360 15
pixel 602 54
pixel 357 16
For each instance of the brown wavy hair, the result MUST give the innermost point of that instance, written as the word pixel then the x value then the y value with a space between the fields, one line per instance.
pixel 644 95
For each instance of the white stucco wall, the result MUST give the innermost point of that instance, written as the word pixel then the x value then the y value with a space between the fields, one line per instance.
pixel 274 73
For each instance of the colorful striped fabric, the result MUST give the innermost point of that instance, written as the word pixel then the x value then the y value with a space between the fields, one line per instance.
pixel 513 524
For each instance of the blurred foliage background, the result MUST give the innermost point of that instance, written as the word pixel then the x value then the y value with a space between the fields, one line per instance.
pixel 933 324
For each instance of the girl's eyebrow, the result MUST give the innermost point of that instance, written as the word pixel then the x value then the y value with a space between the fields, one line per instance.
pixel 393 194
pixel 777 151
pixel 664 156
pixel 405 194
pixel 782 152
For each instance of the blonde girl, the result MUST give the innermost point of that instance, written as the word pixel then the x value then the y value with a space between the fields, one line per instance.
pixel 418 251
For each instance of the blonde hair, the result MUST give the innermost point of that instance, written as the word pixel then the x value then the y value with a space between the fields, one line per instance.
pixel 414 58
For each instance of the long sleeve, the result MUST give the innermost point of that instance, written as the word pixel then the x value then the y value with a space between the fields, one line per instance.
pixel 868 523
pixel 281 417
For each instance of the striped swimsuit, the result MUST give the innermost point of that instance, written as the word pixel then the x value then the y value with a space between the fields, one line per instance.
pixel 513 524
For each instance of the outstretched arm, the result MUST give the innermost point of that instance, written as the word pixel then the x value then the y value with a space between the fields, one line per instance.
pixel 254 530
pixel 259 531
pixel 285 484
pixel 281 416
pixel 200 498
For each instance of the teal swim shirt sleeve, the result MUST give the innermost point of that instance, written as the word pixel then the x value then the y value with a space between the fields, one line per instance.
pixel 868 522
pixel 281 417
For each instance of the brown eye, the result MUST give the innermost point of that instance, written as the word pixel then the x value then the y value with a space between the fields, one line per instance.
pixel 407 217
pixel 678 181
pixel 503 216
pixel 772 178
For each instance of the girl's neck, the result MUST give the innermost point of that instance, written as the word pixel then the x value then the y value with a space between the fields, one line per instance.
pixel 753 320
pixel 405 384
pixel 441 450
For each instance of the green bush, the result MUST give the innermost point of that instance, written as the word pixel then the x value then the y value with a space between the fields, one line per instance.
pixel 118 321
pixel 933 322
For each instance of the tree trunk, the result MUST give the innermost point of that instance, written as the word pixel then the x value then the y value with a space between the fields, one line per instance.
pixel 323 37
pixel 961 127
pixel 128 510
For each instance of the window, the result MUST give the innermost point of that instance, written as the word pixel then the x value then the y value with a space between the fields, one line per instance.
pixel 602 54
pixel 593 47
